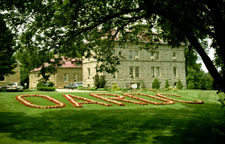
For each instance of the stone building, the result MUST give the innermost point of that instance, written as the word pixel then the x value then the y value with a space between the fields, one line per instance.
pixel 139 68
pixel 69 72
pixel 7 79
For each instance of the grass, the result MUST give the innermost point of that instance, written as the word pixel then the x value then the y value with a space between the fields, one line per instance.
pixel 96 124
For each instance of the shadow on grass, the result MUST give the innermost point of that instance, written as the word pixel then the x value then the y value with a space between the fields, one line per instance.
pixel 195 124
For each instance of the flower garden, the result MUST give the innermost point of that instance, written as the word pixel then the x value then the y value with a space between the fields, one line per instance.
pixel 111 98
pixel 186 116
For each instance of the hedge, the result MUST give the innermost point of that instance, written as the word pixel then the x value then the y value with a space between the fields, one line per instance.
pixel 45 88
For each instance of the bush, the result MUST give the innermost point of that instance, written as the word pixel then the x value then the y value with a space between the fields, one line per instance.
pixel 179 85
pixel 99 81
pixel 222 98
pixel 167 84
pixel 47 84
pixel 45 88
pixel 41 84
pixel 115 87
pixel 156 84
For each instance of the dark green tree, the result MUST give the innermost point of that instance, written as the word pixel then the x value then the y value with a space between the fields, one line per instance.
pixel 167 84
pixel 73 26
pixel 7 50
pixel 156 84
pixel 179 85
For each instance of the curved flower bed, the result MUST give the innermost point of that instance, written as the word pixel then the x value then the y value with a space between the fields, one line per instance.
pixel 77 104
pixel 58 103
pixel 108 99
pixel 118 98
pixel 182 101
pixel 166 101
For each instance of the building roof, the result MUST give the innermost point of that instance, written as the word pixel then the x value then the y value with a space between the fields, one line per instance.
pixel 65 63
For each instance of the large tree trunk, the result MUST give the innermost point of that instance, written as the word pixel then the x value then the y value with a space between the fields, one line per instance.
pixel 207 61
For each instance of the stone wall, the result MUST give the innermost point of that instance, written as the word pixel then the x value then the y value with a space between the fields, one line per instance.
pixel 12 78
pixel 167 60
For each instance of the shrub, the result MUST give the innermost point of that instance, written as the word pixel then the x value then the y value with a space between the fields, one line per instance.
pixel 99 81
pixel 45 88
pixel 156 84
pixel 41 84
pixel 167 84
pixel 222 98
pixel 179 85
pixel 115 87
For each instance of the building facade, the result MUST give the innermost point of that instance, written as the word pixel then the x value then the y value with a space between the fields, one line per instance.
pixel 13 78
pixel 69 72
pixel 139 68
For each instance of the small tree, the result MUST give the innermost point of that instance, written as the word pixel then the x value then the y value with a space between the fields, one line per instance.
pixel 99 81
pixel 156 84
pixel 179 85
pixel 96 81
pixel 102 82
pixel 167 84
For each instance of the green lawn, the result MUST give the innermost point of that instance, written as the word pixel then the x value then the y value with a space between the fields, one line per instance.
pixel 95 124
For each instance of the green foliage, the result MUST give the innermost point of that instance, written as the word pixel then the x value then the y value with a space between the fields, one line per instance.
pixel 156 84
pixel 222 98
pixel 62 26
pixel 179 85
pixel 167 85
pixel 40 84
pixel 99 81
pixel 45 88
pixel 7 60
pixel 115 87
pixel 196 78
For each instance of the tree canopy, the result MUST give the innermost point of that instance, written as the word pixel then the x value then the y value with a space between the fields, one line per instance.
pixel 7 61
pixel 76 27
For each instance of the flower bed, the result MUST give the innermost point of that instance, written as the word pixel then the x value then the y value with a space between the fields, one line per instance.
pixel 166 101
pixel 182 101
pixel 112 98
pixel 109 99
pixel 116 97
pixel 58 103
pixel 86 101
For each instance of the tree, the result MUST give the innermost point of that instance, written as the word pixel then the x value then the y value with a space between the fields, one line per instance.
pixel 7 60
pixel 156 84
pixel 80 26
pixel 167 84
pixel 179 85
pixel 196 78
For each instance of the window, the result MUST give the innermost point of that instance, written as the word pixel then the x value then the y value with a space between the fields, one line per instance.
pixel 89 72
pixel 174 71
pixel 153 72
pixel 74 77
pixel 130 55
pixel 136 71
pixel 131 72
pixel 136 54
pixel 65 77
pixel 2 78
pixel 157 72
pixel 174 55
pixel 133 54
